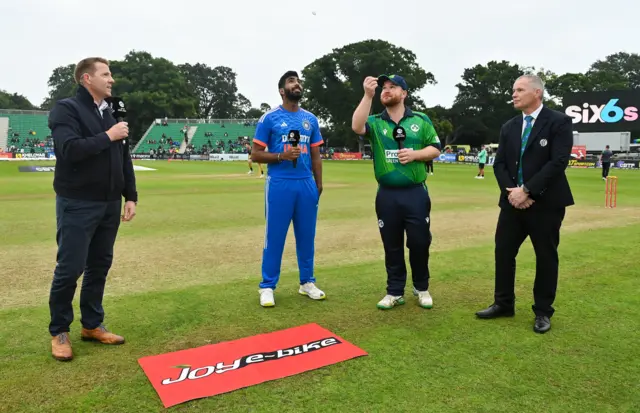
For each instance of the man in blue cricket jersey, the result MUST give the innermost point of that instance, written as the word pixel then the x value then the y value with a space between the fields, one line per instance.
pixel 293 187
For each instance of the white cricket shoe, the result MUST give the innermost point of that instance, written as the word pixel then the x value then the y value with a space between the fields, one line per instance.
pixel 310 289
pixel 266 297
pixel 262 176
pixel 250 173
pixel 390 301
pixel 424 298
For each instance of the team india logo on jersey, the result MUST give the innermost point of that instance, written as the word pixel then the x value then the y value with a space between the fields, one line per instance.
pixel 306 125
pixel 303 144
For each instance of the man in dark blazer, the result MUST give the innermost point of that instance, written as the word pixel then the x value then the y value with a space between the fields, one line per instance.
pixel 93 173
pixel 533 153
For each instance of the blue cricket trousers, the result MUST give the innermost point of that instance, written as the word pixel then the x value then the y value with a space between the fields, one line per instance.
pixel 287 200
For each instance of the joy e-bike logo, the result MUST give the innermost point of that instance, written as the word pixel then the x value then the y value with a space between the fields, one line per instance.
pixel 609 113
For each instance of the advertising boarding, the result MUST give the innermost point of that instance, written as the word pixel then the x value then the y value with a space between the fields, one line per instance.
pixel 612 111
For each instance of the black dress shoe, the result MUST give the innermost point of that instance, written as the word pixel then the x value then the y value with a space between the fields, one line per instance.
pixel 542 324
pixel 495 311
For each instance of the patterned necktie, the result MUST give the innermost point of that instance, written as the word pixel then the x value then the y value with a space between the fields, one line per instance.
pixel 525 137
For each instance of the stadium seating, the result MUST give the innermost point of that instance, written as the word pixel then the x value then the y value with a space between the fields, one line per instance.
pixel 22 124
pixel 233 130
pixel 172 130
pixel 37 123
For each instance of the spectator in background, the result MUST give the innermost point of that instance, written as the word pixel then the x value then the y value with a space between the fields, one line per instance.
pixel 248 147
pixel 605 160
pixel 429 165
pixel 482 160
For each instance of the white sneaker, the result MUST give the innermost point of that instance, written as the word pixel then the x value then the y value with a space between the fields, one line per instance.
pixel 310 289
pixel 250 173
pixel 390 301
pixel 424 298
pixel 266 297
pixel 262 176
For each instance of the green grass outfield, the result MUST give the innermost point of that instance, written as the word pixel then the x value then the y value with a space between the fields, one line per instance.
pixel 186 274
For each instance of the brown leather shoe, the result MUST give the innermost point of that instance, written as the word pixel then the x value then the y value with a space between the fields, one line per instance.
pixel 61 347
pixel 102 335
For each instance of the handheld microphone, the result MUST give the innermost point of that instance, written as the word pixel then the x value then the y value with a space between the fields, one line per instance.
pixel 118 110
pixel 399 135
pixel 294 138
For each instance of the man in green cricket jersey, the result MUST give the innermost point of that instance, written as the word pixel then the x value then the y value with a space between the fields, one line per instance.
pixel 401 142
pixel 482 160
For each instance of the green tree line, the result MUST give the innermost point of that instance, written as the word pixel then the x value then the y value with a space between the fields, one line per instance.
pixel 154 87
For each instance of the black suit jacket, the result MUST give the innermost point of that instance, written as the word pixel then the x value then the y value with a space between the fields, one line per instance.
pixel 544 160
pixel 88 165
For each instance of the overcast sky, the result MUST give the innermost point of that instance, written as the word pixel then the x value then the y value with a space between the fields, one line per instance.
pixel 260 40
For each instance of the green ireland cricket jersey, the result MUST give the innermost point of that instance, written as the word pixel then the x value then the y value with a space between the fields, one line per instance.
pixel 482 156
pixel 420 134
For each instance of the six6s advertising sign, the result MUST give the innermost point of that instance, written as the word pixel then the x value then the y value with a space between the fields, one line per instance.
pixel 604 111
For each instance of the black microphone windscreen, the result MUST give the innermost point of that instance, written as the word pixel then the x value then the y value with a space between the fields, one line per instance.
pixel 399 135
pixel 294 137
pixel 117 106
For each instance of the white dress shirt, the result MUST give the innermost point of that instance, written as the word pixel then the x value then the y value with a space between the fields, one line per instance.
pixel 102 106
pixel 535 115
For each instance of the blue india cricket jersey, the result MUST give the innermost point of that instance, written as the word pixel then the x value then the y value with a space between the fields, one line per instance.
pixel 273 133
pixel 290 193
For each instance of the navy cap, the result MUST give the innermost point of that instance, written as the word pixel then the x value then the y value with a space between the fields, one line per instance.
pixel 395 79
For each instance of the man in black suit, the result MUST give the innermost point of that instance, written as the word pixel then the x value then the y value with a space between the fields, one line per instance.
pixel 533 153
